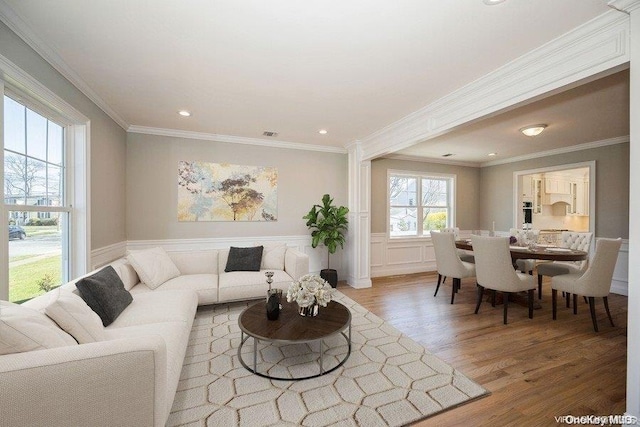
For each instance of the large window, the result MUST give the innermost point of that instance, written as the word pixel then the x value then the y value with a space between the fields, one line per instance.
pixel 34 201
pixel 419 203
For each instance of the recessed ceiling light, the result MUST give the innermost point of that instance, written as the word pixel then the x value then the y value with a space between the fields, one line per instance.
pixel 184 113
pixel 492 154
pixel 447 155
pixel 492 2
pixel 322 131
pixel 533 130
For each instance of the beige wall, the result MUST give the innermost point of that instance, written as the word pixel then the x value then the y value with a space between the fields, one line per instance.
pixel 612 188
pixel 152 165
pixel 467 194
pixel 108 142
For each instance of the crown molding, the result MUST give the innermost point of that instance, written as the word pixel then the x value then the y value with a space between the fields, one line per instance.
pixel 175 133
pixel 20 27
pixel 563 150
pixel 594 48
pixel 410 158
pixel 625 6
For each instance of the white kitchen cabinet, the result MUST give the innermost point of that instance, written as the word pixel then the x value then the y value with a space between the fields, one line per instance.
pixel 579 199
pixel 537 195
pixel 527 188
pixel 555 185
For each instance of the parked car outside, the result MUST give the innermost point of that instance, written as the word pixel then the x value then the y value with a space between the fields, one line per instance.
pixel 16 232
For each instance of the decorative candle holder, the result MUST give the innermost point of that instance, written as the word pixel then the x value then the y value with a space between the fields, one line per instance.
pixel 273 298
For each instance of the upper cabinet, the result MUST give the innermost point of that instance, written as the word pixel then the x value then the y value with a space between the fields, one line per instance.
pixel 527 188
pixel 557 185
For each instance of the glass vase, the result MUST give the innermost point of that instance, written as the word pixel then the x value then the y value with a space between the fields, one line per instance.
pixel 310 311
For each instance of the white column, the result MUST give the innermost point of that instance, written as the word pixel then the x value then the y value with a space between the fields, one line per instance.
pixel 632 7
pixel 359 235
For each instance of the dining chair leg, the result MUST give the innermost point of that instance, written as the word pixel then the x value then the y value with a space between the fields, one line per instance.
pixel 554 302
pixel 568 297
pixel 575 303
pixel 454 288
pixel 531 297
pixel 539 286
pixel 505 302
pixel 585 300
pixel 493 297
pixel 606 307
pixel 438 285
pixel 480 294
pixel 444 279
pixel 592 308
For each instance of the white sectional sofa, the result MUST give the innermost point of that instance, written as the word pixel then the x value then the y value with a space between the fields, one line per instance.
pixel 128 377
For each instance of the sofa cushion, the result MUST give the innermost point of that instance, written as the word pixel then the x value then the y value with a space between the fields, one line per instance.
pixel 24 329
pixel 248 284
pixel 157 306
pixel 244 259
pixel 104 292
pixel 73 315
pixel 196 262
pixel 205 285
pixel 154 266
pixel 126 272
pixel 273 256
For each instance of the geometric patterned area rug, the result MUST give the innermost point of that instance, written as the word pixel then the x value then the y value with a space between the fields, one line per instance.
pixel 388 380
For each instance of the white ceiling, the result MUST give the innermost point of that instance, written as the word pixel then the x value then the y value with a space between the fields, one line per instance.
pixel 351 67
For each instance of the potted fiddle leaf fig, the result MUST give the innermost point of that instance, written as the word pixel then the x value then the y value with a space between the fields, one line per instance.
pixel 329 225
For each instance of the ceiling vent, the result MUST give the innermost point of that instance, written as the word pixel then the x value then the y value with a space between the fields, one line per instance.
pixel 447 155
pixel 269 133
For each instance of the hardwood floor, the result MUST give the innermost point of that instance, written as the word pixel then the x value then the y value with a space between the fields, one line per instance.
pixel 535 369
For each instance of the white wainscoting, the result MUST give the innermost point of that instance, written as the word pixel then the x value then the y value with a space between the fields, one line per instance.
pixel 390 257
pixel 317 256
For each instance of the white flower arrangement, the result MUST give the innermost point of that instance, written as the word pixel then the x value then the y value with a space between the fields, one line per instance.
pixel 310 289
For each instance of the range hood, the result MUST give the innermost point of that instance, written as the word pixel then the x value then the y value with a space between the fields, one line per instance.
pixel 554 198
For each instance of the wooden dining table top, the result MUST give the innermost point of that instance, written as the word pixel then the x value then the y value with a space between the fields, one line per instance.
pixel 540 252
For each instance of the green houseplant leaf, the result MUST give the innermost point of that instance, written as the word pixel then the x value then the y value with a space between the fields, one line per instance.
pixel 328 224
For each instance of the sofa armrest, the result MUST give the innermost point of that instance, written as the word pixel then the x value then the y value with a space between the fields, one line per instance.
pixel 107 383
pixel 296 264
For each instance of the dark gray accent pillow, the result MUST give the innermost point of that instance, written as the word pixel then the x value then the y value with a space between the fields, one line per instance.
pixel 104 292
pixel 244 259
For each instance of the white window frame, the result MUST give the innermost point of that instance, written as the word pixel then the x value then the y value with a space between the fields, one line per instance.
pixel 77 250
pixel 451 219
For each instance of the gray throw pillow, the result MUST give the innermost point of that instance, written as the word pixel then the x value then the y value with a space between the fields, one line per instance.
pixel 244 259
pixel 104 292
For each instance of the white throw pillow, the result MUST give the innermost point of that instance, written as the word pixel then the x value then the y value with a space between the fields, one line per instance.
pixel 273 256
pixel 24 329
pixel 154 267
pixel 73 315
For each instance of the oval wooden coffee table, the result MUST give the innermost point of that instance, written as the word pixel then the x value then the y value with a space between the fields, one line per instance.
pixel 292 328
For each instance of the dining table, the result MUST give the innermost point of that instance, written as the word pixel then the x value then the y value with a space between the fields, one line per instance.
pixel 541 252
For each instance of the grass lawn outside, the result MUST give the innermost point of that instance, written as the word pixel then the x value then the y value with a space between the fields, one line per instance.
pixel 23 279
pixel 41 230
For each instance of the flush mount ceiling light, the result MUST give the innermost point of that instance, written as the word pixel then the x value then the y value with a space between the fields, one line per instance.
pixel 492 2
pixel 492 154
pixel 322 131
pixel 184 113
pixel 533 130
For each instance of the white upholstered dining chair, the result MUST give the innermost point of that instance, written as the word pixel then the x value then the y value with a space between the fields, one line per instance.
pixel 495 271
pixel 592 283
pixel 464 255
pixel 524 237
pixel 569 240
pixel 448 262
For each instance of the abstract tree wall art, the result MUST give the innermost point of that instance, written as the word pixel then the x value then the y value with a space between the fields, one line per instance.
pixel 225 192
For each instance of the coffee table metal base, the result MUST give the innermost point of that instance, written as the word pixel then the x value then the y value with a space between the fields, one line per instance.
pixel 254 370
